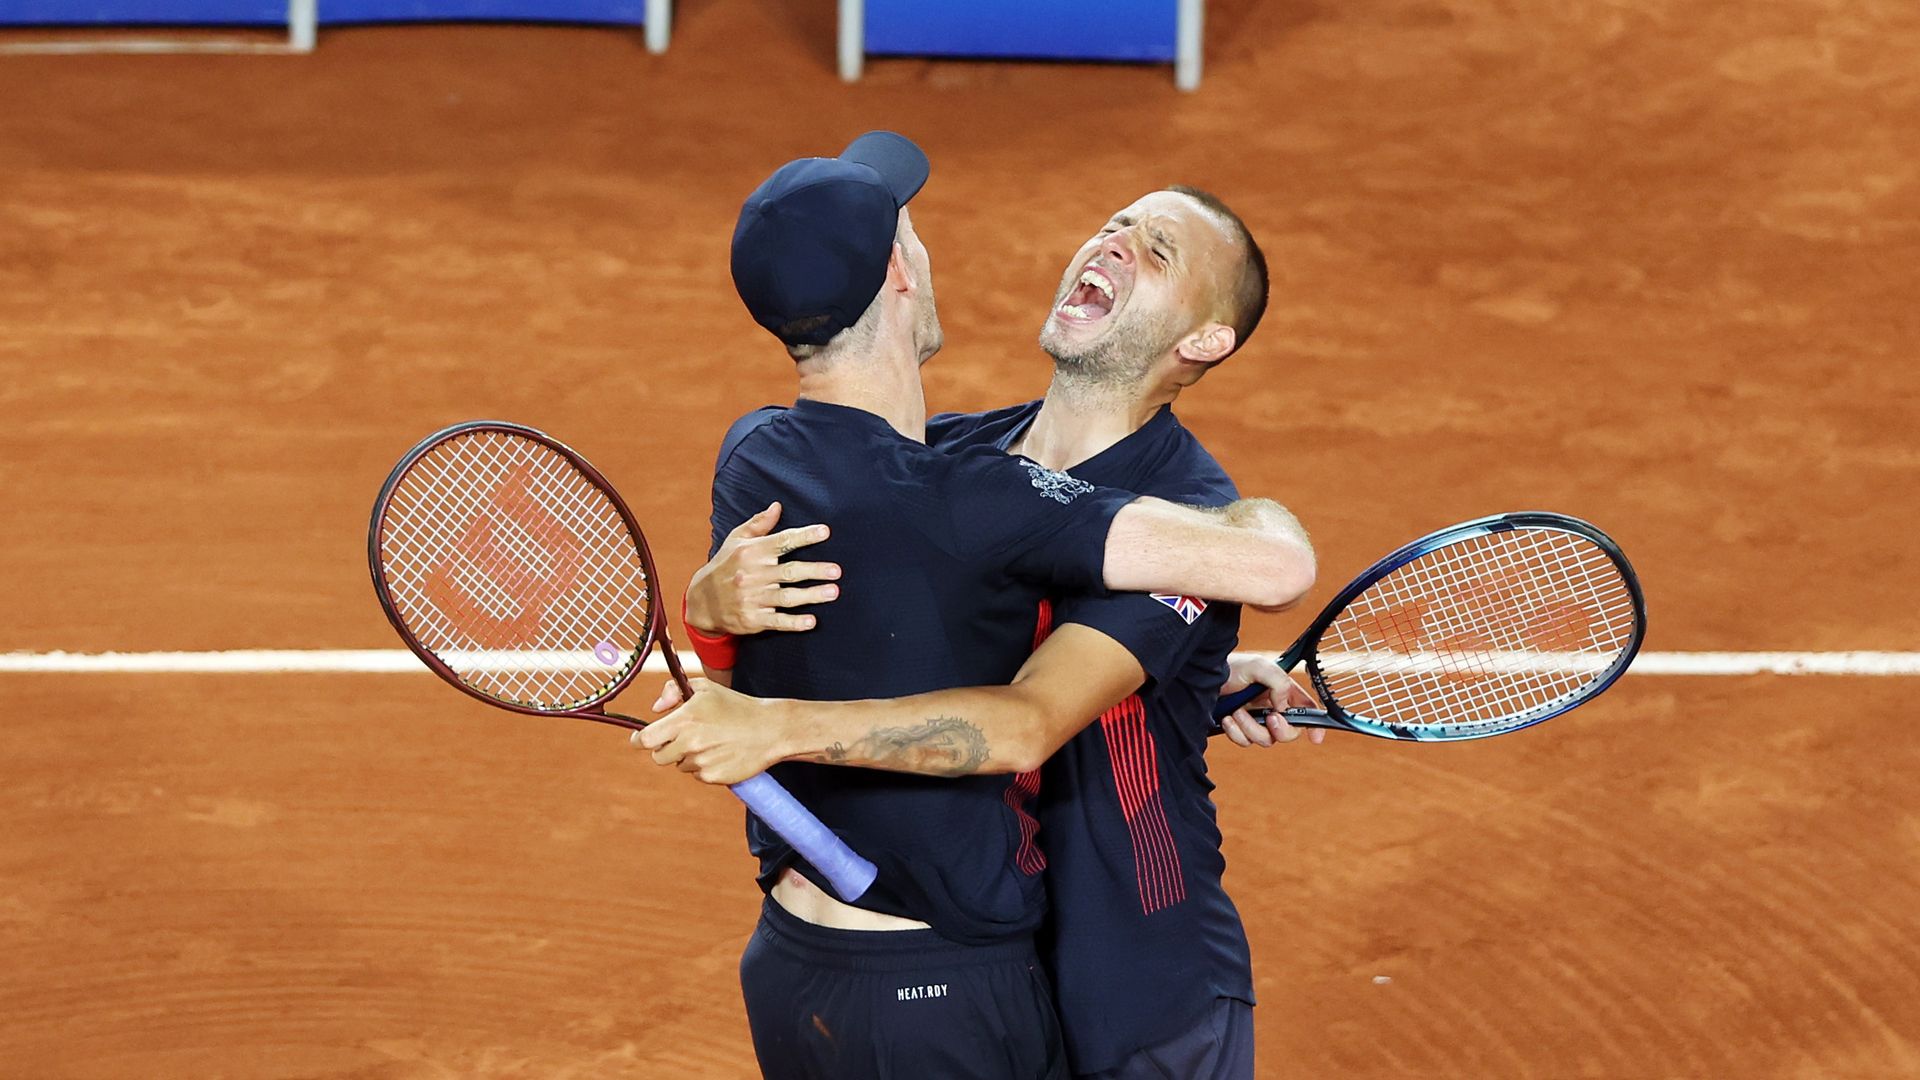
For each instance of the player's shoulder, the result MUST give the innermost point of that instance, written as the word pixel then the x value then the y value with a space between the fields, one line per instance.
pixel 977 481
pixel 947 431
pixel 1188 471
pixel 744 427
pixel 961 463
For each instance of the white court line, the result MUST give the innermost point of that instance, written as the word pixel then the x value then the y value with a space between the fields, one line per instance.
pixel 399 661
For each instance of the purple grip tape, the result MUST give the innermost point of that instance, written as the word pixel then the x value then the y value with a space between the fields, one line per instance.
pixel 773 804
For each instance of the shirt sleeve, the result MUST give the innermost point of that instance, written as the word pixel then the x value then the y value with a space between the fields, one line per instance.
pixel 1161 632
pixel 731 497
pixel 727 514
pixel 996 511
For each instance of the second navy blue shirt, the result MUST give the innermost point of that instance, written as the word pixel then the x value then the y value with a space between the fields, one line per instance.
pixel 1143 938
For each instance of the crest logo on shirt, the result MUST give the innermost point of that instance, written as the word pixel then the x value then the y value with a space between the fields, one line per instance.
pixel 1187 607
pixel 1057 486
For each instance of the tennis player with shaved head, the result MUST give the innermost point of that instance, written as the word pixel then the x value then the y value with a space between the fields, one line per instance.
pixel 948 555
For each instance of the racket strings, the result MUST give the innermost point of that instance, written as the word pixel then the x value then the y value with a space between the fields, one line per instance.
pixel 516 570
pixel 473 571
pixel 605 531
pixel 1490 669
pixel 1480 634
pixel 530 664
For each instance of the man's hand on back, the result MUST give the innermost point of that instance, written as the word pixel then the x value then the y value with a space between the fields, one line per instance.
pixel 744 588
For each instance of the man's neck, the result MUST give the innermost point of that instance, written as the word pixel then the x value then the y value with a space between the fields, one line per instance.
pixel 887 386
pixel 1079 420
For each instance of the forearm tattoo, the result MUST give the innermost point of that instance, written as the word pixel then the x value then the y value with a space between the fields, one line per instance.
pixel 941 746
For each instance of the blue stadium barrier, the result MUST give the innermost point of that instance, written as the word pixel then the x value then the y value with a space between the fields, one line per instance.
pixel 299 17
pixel 1140 31
pixel 266 12
pixel 608 11
pixel 150 12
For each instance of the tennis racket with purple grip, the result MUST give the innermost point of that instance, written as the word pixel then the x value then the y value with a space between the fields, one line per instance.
pixel 513 569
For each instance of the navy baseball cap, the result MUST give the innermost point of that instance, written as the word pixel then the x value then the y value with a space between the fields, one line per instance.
pixel 810 251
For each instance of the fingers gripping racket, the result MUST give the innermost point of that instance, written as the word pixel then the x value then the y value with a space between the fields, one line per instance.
pixel 1480 629
pixel 512 568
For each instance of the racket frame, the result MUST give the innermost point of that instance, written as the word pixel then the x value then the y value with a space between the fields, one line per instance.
pixel 656 632
pixel 849 874
pixel 1334 716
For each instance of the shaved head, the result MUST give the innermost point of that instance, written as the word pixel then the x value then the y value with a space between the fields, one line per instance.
pixel 1246 299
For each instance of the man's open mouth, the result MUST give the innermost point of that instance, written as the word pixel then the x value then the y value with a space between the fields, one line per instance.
pixel 1090 299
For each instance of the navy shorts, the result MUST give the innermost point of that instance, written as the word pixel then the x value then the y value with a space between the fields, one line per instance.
pixel 828 1004
pixel 1219 1047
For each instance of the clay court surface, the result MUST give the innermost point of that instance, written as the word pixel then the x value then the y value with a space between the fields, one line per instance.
pixel 1649 262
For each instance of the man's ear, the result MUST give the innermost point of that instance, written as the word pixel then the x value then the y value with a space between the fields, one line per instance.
pixel 1208 345
pixel 899 274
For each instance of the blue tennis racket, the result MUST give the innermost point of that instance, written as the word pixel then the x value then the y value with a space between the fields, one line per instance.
pixel 1480 629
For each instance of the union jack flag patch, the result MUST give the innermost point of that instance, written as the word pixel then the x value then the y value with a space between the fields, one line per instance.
pixel 1187 607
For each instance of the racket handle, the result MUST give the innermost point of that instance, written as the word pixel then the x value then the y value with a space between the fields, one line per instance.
pixel 1226 705
pixel 1303 718
pixel 850 874
pixel 1296 717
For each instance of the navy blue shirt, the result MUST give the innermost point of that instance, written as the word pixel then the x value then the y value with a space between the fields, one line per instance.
pixel 1143 938
pixel 945 558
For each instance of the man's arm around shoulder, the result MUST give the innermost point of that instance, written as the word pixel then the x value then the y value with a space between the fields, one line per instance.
pixel 1253 552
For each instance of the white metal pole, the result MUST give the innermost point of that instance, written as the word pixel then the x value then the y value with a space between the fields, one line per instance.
pixel 853 38
pixel 303 18
pixel 1187 38
pixel 659 24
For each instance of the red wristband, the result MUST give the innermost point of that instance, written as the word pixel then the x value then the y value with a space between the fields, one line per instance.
pixel 714 650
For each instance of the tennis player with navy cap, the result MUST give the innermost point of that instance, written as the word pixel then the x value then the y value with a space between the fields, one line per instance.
pixel 933 972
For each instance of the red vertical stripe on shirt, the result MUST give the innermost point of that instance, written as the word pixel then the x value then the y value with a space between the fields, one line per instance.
pixel 1025 788
pixel 1020 796
pixel 1136 777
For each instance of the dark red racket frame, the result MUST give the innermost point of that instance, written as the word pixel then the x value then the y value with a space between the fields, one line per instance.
pixel 656 620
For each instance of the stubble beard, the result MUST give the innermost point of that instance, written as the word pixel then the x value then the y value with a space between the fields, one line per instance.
pixel 1118 360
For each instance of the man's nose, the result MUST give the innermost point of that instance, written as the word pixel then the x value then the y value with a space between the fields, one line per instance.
pixel 1119 248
